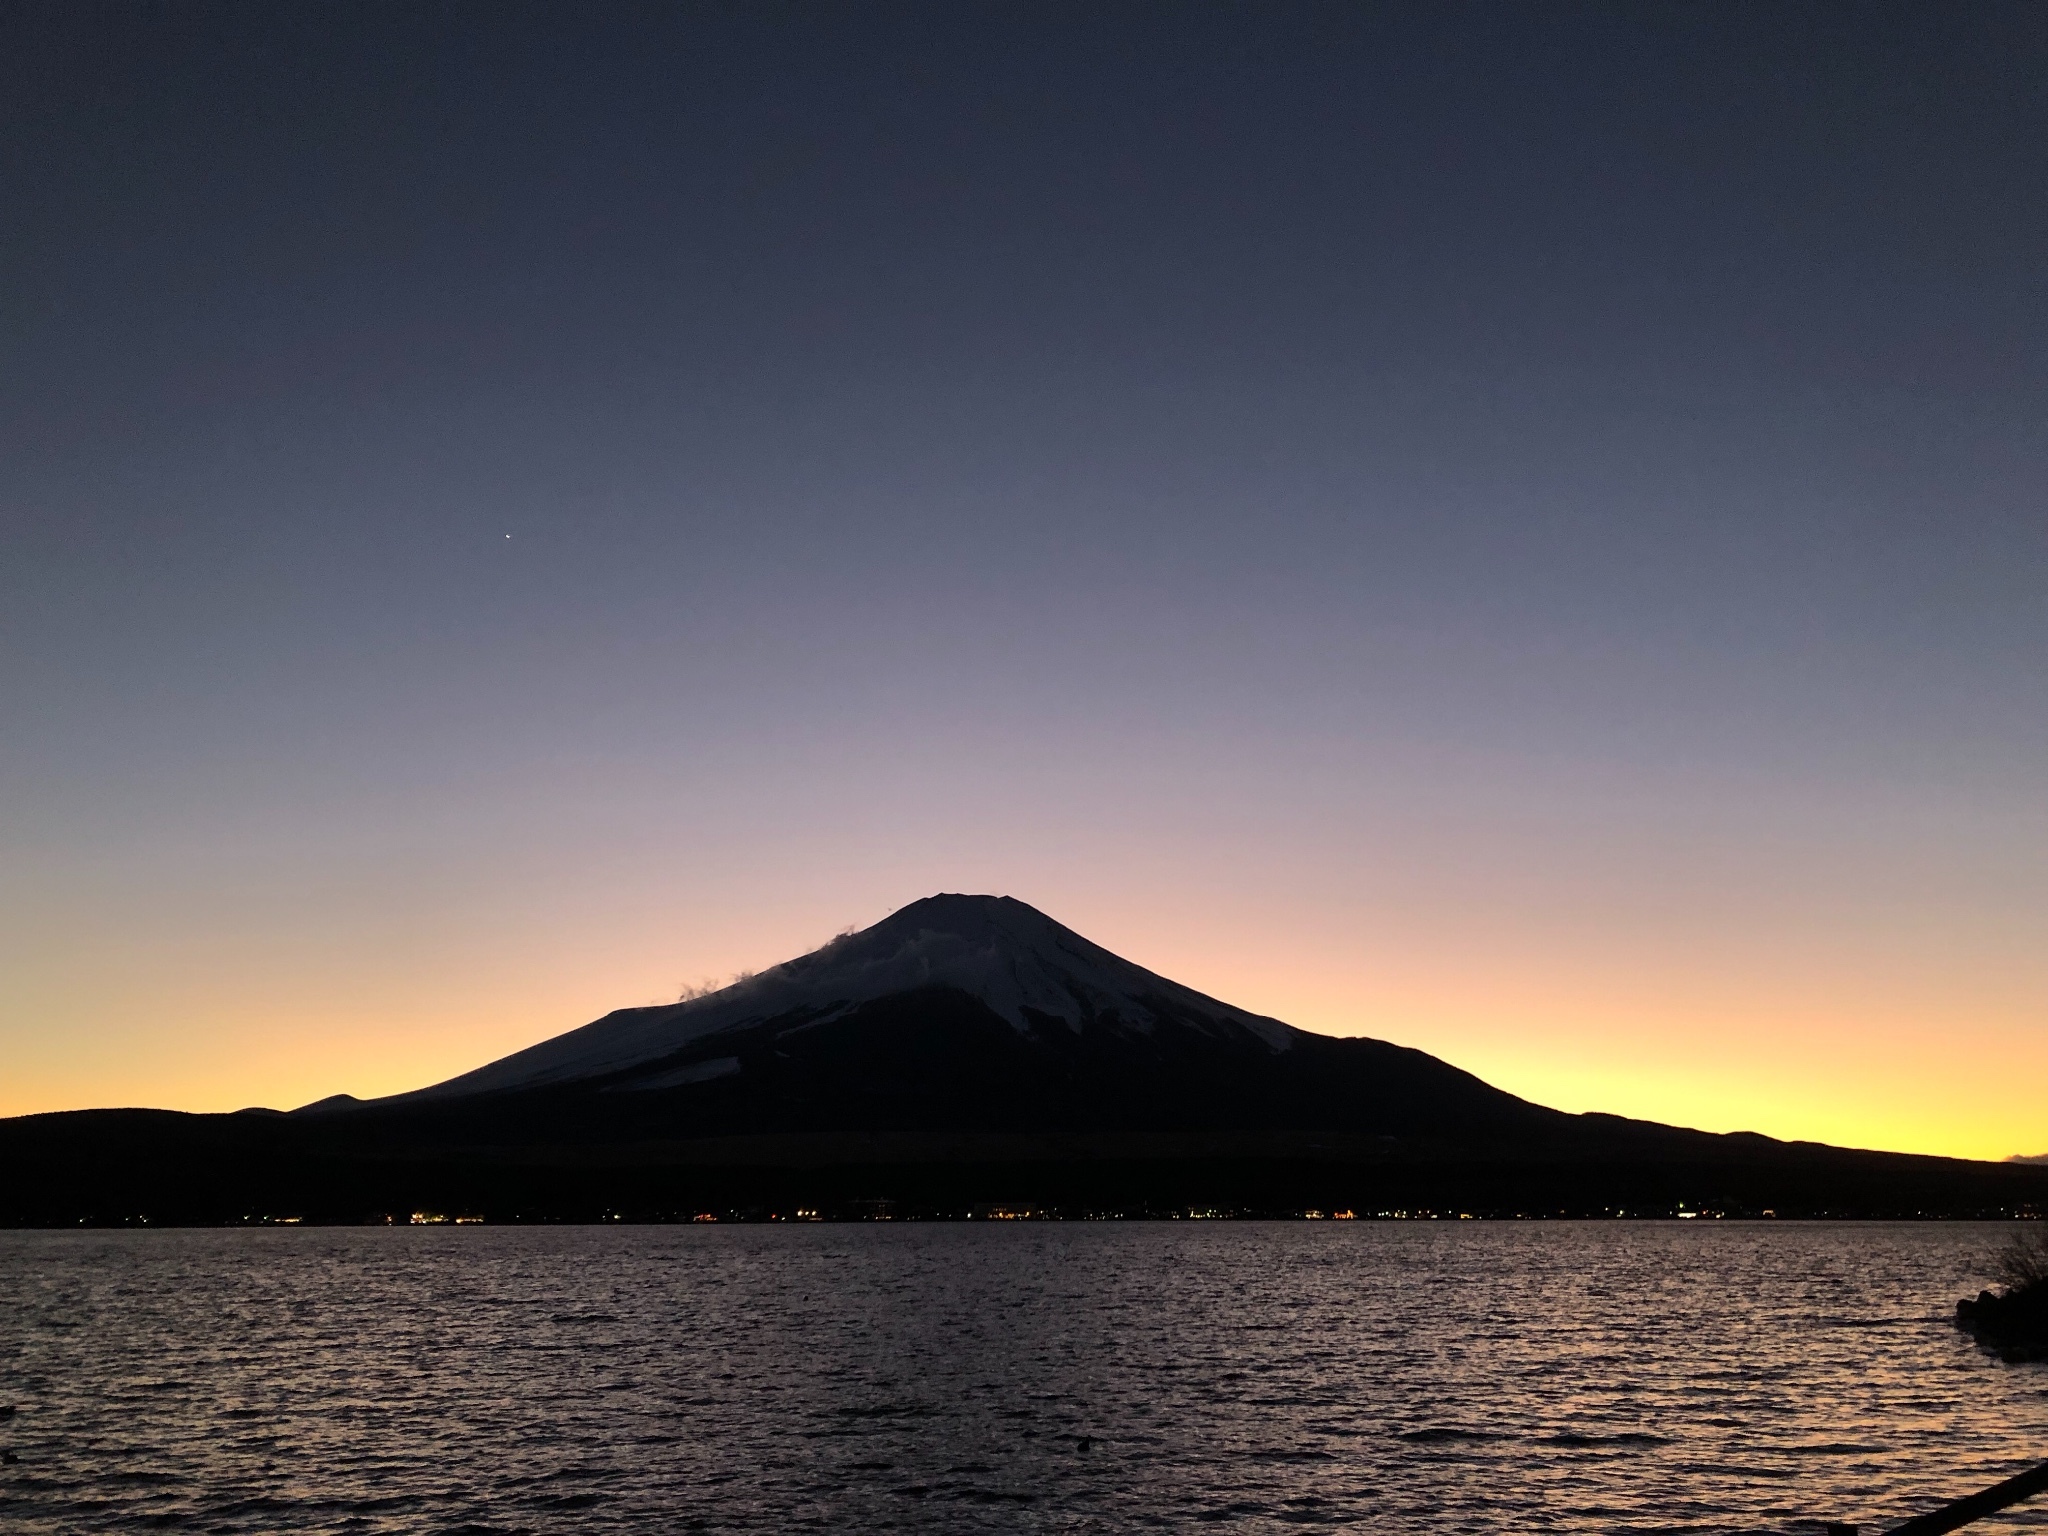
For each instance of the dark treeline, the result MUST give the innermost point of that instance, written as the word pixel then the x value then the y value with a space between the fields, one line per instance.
pixel 129 1166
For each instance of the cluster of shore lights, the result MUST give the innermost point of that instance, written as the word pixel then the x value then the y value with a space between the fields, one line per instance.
pixel 803 1213
pixel 1009 1213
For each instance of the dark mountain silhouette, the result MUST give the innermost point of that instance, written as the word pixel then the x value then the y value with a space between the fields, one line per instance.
pixel 965 1013
pixel 965 1050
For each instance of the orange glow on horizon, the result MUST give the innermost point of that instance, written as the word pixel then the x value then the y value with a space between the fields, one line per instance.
pixel 1897 1062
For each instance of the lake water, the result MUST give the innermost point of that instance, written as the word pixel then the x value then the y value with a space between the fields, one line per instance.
pixel 1084 1377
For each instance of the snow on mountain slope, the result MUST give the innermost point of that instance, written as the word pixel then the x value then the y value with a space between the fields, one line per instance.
pixel 1025 967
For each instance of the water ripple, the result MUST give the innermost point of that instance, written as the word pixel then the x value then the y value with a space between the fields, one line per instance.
pixel 1406 1378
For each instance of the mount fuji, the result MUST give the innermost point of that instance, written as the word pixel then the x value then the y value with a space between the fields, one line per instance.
pixel 1012 960
pixel 963 1052
pixel 966 1013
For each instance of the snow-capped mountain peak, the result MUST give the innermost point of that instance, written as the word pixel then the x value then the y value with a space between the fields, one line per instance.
pixel 1022 966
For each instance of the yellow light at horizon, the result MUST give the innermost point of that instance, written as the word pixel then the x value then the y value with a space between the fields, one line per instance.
pixel 1779 1044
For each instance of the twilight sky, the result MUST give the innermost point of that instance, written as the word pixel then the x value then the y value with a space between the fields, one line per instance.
pixel 1518 530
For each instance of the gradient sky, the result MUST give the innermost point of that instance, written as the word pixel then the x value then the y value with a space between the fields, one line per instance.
pixel 1518 530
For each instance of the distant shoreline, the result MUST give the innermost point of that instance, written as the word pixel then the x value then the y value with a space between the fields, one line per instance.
pixel 422 1219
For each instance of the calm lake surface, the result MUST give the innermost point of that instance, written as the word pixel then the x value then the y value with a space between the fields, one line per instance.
pixel 1399 1377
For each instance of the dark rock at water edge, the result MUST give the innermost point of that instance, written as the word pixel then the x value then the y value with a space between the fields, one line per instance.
pixel 2013 1325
